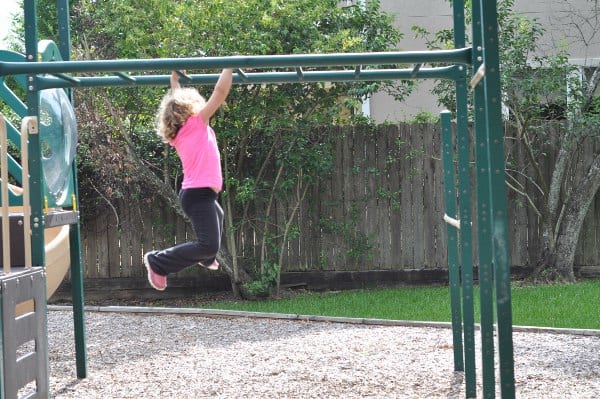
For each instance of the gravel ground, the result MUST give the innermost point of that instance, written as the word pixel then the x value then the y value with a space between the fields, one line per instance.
pixel 190 356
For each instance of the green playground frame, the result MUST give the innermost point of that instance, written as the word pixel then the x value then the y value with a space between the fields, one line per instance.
pixel 481 60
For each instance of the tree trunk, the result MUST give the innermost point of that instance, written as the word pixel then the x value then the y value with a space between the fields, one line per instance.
pixel 231 263
pixel 565 254
pixel 558 255
pixel 232 267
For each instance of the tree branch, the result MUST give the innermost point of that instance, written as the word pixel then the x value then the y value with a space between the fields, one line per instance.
pixel 527 197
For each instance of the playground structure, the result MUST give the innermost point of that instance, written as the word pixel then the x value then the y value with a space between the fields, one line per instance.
pixel 49 196
pixel 25 288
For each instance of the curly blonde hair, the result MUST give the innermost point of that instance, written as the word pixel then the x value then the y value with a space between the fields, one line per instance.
pixel 175 108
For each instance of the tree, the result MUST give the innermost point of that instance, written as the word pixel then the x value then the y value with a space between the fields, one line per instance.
pixel 271 148
pixel 540 88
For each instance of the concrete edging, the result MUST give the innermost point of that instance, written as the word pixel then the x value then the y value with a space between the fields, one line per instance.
pixel 314 318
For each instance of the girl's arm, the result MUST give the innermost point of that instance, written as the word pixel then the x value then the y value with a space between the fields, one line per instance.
pixel 175 80
pixel 218 95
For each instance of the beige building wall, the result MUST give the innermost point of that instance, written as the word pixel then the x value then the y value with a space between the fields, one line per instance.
pixel 572 24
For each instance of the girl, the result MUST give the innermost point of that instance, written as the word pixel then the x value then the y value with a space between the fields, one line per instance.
pixel 183 122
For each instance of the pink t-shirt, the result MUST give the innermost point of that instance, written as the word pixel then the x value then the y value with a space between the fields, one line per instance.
pixel 196 145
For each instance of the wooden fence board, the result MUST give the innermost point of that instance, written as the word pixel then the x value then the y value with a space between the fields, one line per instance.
pixel 114 252
pixel 301 245
pixel 417 196
pixel 394 171
pixel 141 234
pixel 353 222
pixel 441 245
pixel 91 262
pixel 518 222
pixel 370 213
pixel 384 200
pixel 321 195
pixel 406 220
pixel 331 207
pixel 85 253
pixel 431 218
pixel 314 214
pixel 125 241
pixel 102 234
pixel 587 238
pixel 342 214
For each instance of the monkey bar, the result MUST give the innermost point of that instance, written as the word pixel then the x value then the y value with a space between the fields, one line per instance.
pixel 450 57
pixel 55 73
pixel 121 79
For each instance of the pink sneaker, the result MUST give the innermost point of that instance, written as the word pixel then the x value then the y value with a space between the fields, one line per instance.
pixel 213 266
pixel 157 281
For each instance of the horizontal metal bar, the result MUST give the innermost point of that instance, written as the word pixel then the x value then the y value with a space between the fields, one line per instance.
pixel 456 56
pixel 451 221
pixel 450 73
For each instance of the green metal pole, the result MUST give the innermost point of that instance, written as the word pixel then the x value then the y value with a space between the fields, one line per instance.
pixel 464 200
pixel 483 216
pixel 466 235
pixel 64 29
pixel 453 267
pixel 75 229
pixel 77 290
pixel 36 189
pixel 35 164
pixel 497 186
pixel 450 57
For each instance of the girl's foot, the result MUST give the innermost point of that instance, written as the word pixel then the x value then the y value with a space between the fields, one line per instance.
pixel 213 266
pixel 157 281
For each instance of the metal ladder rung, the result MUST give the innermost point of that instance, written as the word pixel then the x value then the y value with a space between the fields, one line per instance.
pixel 478 76
pixel 451 221
pixel 183 76
pixel 125 76
pixel 66 77
pixel 241 74
pixel 415 70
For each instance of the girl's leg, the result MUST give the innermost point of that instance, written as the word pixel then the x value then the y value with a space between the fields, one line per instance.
pixel 206 215
pixel 212 263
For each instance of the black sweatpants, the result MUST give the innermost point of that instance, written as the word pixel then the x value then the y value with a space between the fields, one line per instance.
pixel 206 215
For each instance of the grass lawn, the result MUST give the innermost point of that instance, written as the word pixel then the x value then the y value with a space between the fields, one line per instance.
pixel 559 305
